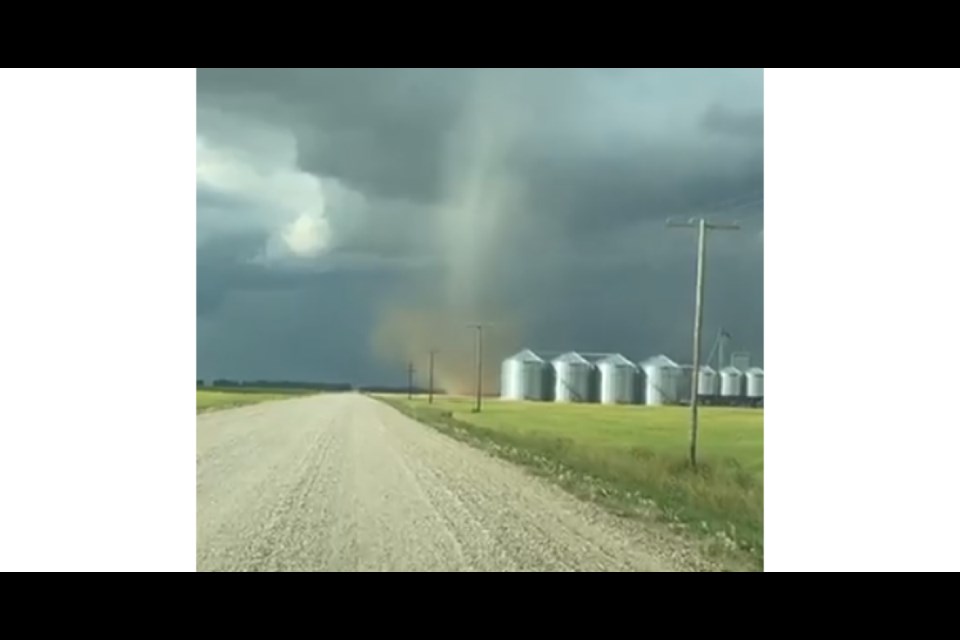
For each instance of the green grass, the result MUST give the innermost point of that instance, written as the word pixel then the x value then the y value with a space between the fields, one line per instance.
pixel 632 459
pixel 212 399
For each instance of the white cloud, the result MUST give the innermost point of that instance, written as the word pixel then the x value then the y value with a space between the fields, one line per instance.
pixel 255 167
pixel 307 236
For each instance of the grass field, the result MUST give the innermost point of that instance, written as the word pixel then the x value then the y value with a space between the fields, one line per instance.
pixel 629 458
pixel 212 399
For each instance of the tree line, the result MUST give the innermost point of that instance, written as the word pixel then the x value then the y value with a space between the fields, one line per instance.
pixel 276 384
pixel 395 389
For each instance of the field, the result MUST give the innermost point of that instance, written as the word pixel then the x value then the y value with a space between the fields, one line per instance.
pixel 631 458
pixel 212 399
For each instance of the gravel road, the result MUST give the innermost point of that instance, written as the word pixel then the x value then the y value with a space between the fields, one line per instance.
pixel 346 483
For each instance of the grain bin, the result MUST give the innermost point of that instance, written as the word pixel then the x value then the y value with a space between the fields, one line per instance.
pixel 506 380
pixel 617 380
pixel 709 383
pixel 522 377
pixel 684 383
pixel 662 385
pixel 731 382
pixel 572 375
pixel 755 382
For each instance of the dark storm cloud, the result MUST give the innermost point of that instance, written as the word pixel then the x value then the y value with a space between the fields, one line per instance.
pixel 604 193
pixel 720 119
pixel 317 330
pixel 600 158
pixel 233 263
pixel 381 130
pixel 384 132
pixel 223 266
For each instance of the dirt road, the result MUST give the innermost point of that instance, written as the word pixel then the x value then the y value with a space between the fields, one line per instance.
pixel 346 483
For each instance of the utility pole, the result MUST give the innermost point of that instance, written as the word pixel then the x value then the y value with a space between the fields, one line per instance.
pixel 410 381
pixel 479 356
pixel 432 353
pixel 702 226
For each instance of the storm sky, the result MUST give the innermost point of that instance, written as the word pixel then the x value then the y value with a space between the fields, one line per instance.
pixel 350 219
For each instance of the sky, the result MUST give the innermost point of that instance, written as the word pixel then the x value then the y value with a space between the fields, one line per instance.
pixel 350 220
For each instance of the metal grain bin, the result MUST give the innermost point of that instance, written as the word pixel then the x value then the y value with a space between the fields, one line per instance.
pixel 573 374
pixel 617 380
pixel 709 382
pixel 731 382
pixel 755 382
pixel 522 377
pixel 662 381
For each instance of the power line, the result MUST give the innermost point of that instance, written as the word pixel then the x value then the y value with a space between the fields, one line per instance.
pixel 719 207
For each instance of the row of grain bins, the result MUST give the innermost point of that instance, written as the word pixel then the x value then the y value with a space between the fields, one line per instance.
pixel 613 379
pixel 730 385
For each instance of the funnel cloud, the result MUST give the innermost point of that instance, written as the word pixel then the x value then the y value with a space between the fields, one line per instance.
pixel 350 221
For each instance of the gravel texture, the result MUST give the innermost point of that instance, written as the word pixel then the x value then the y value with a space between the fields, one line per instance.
pixel 346 483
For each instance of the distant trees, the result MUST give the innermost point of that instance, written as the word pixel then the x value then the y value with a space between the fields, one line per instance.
pixel 252 385
pixel 389 389
pixel 280 384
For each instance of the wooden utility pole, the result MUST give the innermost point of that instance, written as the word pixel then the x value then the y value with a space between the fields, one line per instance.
pixel 432 353
pixel 479 357
pixel 702 227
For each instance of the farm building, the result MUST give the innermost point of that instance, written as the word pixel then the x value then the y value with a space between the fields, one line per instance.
pixel 731 382
pixel 709 382
pixel 755 382
pixel 617 380
pixel 662 381
pixel 523 377
pixel 573 375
